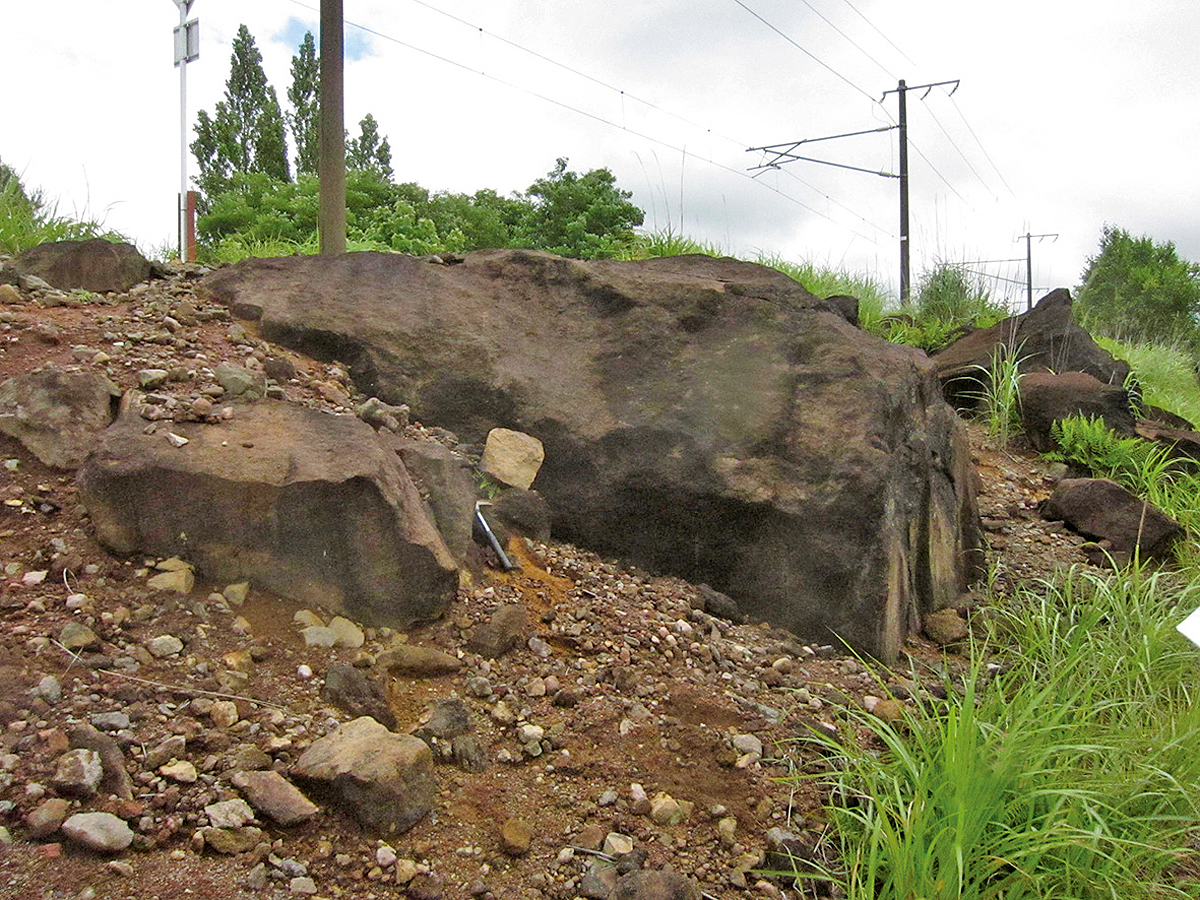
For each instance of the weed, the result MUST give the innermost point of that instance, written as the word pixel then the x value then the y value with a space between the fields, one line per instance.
pixel 1069 774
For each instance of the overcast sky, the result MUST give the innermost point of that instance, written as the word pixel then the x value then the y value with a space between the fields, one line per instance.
pixel 1069 113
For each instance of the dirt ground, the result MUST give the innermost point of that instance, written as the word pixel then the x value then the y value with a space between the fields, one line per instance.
pixel 664 694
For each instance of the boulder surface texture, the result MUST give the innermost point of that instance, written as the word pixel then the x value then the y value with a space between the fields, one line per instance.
pixel 93 265
pixel 297 501
pixel 702 417
pixel 1045 339
pixel 58 415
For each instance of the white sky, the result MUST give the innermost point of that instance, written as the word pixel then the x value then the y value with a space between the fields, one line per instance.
pixel 1085 111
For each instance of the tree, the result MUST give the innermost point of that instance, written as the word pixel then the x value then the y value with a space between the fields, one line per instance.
pixel 1138 289
pixel 246 134
pixel 368 152
pixel 582 216
pixel 304 95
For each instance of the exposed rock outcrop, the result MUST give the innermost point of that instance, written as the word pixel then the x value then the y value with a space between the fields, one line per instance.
pixel 1105 511
pixel 704 417
pixel 94 265
pixel 58 415
pixel 301 502
pixel 1048 398
pixel 1045 339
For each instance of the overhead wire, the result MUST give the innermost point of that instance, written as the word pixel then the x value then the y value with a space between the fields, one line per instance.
pixel 807 53
pixel 986 155
pixel 880 33
pixel 958 149
pixel 590 115
pixel 853 42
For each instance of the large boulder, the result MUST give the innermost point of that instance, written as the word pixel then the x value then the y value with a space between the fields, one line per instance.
pixel 1045 339
pixel 1104 511
pixel 702 417
pixel 384 779
pixel 94 265
pixel 56 414
pixel 1047 398
pixel 298 501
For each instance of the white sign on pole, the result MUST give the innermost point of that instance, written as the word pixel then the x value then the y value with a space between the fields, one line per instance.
pixel 187 42
pixel 1190 627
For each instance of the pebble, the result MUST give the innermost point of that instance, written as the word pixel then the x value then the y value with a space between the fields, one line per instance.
pixel 617 844
pixel 98 831
pixel 224 714
pixel 181 771
pixel 229 813
pixel 516 835
pixel 164 645
pixel 346 633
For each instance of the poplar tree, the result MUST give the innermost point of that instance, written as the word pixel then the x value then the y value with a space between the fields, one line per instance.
pixel 369 152
pixel 304 95
pixel 246 132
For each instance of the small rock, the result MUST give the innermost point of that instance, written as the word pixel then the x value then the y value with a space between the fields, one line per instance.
pixel 302 885
pixel 665 810
pixel 515 837
pixel 229 814
pixel 617 844
pixel 945 627
pixel 230 841
pixel 181 771
pixel 47 817
pixel 346 633
pixel 224 714
pixel 98 831
pixel 418 661
pixel 164 645
pixel 75 636
pixel 274 796
pixel 181 581
pixel 318 636
pixel 78 773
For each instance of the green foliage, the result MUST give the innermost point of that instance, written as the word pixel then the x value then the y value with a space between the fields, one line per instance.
pixel 246 134
pixel 948 294
pixel 304 95
pixel 1140 290
pixel 1000 394
pixel 369 152
pixel 1166 375
pixel 1070 774
pixel 581 216
pixel 28 219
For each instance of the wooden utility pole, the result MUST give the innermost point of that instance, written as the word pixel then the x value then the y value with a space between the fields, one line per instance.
pixel 901 91
pixel 331 168
pixel 1028 239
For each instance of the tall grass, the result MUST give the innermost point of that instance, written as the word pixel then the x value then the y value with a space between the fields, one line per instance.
pixel 1167 375
pixel 1070 774
pixel 27 220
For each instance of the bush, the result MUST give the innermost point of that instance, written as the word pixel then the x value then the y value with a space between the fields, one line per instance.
pixel 1137 289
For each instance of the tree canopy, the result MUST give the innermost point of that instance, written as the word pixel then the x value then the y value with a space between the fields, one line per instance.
pixel 249 199
pixel 1140 290
pixel 246 133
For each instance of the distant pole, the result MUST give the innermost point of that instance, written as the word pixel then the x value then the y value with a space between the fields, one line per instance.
pixel 331 168
pixel 1028 239
pixel 187 48
pixel 902 94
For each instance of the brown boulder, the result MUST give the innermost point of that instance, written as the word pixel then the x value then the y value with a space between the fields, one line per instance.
pixel 701 417
pixel 1104 511
pixel 304 503
pixel 57 415
pixel 94 265
pixel 1047 398
pixel 1045 339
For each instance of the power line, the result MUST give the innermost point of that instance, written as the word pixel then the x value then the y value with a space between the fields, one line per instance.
pixel 855 44
pixel 987 155
pixel 572 70
pixel 805 52
pixel 880 33
pixel 589 115
pixel 958 149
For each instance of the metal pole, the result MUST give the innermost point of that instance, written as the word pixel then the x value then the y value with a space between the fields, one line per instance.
pixel 331 169
pixel 1028 271
pixel 902 93
pixel 181 206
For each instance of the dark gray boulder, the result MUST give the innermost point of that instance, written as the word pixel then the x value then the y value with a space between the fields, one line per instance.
pixel 93 265
pixel 1045 339
pixel 304 503
pixel 1048 398
pixel 58 415
pixel 447 484
pixel 1104 511
pixel 702 417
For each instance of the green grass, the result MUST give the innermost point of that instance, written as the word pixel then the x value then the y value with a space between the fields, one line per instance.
pixel 27 220
pixel 1072 774
pixel 1167 375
